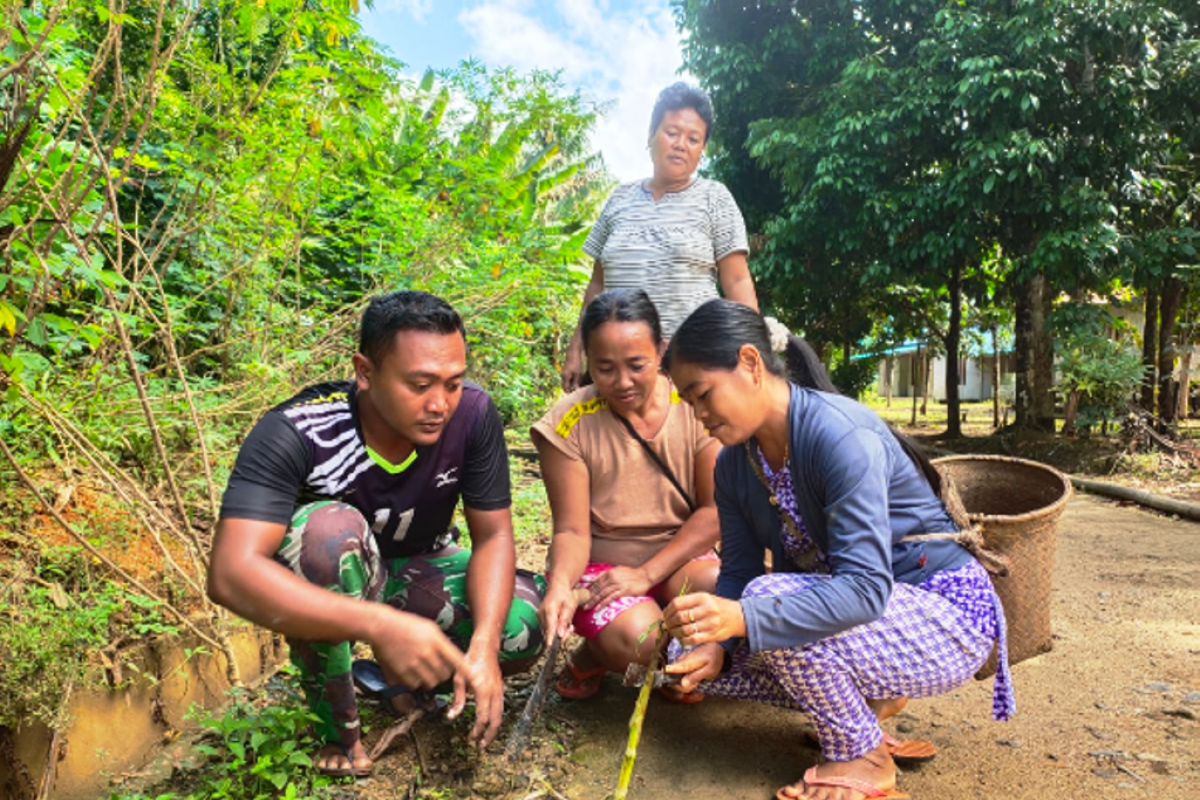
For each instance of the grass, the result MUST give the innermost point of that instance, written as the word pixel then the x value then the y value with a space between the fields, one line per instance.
pixel 978 415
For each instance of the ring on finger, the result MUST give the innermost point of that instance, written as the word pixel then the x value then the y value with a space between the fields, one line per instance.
pixel 692 615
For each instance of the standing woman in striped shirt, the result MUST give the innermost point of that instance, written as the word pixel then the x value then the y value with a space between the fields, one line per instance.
pixel 674 235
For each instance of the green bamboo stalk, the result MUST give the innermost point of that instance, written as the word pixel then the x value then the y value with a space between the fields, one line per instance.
pixel 635 733
pixel 657 660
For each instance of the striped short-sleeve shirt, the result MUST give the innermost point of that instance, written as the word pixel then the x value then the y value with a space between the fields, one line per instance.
pixel 669 247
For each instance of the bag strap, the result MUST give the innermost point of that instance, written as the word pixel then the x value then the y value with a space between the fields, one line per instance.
pixel 662 465
pixel 810 560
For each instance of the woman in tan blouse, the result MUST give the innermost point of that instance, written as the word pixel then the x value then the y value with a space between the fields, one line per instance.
pixel 624 529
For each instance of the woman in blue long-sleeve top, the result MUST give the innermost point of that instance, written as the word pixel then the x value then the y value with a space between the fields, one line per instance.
pixel 872 597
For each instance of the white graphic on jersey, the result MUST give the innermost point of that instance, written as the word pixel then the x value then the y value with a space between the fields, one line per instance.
pixel 335 484
pixel 309 413
pixel 337 461
pixel 402 527
pixel 314 434
pixel 445 478
pixel 337 471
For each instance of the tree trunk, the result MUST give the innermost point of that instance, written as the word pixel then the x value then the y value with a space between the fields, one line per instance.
pixel 1168 309
pixel 1185 384
pixel 1069 415
pixel 1035 364
pixel 1043 356
pixel 995 376
pixel 954 334
pixel 916 375
pixel 1149 349
pixel 887 379
pixel 927 377
pixel 1023 330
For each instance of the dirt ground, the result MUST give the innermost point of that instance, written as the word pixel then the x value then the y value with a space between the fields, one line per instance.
pixel 1111 712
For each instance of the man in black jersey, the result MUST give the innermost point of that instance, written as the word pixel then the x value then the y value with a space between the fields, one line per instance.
pixel 345 494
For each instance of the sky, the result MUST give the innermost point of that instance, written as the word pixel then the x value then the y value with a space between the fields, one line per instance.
pixel 621 52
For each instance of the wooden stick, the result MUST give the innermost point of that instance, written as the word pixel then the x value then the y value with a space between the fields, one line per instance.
pixel 399 729
pixel 657 660
pixel 519 737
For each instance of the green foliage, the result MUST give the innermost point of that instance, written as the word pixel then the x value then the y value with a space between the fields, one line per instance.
pixel 1105 371
pixel 854 376
pixel 258 751
pixel 945 147
pixel 253 750
pixel 193 212
pixel 56 617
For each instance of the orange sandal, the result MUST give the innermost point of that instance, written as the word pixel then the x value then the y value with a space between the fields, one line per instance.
pixel 909 751
pixel 579 684
pixel 684 699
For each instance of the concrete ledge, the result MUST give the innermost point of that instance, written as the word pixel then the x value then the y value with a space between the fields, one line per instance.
pixel 114 731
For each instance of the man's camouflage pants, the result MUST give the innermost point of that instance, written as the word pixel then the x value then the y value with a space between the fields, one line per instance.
pixel 330 544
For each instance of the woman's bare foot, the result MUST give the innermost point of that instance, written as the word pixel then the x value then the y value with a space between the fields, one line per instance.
pixel 352 761
pixel 875 769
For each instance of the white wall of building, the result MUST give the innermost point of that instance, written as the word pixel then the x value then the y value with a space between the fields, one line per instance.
pixel 975 376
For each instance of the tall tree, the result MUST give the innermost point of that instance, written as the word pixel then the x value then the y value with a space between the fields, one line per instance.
pixel 908 139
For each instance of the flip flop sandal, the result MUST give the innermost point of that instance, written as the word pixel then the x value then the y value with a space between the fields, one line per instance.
pixel 349 771
pixel 685 699
pixel 586 682
pixel 909 751
pixel 869 790
pixel 902 751
pixel 368 677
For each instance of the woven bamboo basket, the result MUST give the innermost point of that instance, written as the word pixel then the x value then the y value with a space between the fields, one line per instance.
pixel 1017 503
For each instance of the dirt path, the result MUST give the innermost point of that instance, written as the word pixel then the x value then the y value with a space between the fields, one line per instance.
pixel 1111 712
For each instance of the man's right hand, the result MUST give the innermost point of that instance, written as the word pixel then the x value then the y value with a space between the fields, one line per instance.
pixel 413 651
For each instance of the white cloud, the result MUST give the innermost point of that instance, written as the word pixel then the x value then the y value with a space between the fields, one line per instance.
pixel 418 9
pixel 626 57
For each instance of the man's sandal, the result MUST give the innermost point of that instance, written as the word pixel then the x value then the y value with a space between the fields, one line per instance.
pixel 368 677
pixel 579 684
pixel 868 790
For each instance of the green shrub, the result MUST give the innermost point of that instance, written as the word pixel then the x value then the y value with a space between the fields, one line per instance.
pixel 1103 372
pixel 253 750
